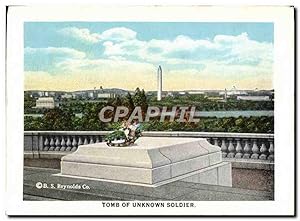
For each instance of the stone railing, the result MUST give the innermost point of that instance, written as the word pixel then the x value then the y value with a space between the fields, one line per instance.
pixel 233 145
pixel 60 140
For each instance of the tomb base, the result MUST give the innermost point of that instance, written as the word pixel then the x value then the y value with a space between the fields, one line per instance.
pixel 151 161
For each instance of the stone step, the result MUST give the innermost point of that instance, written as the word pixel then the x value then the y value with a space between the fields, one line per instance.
pixel 100 190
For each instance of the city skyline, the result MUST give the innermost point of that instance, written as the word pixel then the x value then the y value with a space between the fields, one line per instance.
pixel 194 56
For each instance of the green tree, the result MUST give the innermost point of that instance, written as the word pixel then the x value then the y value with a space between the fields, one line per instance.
pixel 128 102
pixel 29 102
pixel 117 101
pixel 140 99
pixel 58 119
pixel 90 119
pixel 33 123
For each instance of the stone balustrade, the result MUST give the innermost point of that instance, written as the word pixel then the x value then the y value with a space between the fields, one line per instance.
pixel 233 145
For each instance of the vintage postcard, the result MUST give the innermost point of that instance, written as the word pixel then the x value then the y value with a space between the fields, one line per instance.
pixel 153 110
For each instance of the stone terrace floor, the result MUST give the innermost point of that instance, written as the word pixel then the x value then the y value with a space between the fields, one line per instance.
pixel 178 191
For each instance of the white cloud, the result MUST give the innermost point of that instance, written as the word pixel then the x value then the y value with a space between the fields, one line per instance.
pixel 230 39
pixel 181 42
pixel 112 64
pixel 114 34
pixel 57 51
pixel 82 34
pixel 118 34
pixel 128 61
pixel 225 49
pixel 86 74
pixel 129 48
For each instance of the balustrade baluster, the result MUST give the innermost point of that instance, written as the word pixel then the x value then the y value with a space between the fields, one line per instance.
pixel 74 144
pixel 247 150
pixel 91 140
pixel 69 147
pixel 255 150
pixel 216 141
pixel 263 149
pixel 51 144
pixel 80 141
pixel 85 141
pixel 63 144
pixel 224 148
pixel 57 144
pixel 231 149
pixel 239 146
pixel 238 149
pixel 46 144
pixel 271 151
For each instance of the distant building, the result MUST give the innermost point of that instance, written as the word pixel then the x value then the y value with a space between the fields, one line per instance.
pixel 105 95
pixel 170 94
pixel 79 94
pixel 52 93
pixel 253 98
pixel 67 96
pixel 91 94
pixel 149 93
pixel 195 92
pixel 225 94
pixel 41 93
pixel 75 96
pixel 233 92
pixel 215 98
pixel 45 102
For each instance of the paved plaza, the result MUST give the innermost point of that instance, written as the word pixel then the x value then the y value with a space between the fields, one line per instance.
pixel 64 188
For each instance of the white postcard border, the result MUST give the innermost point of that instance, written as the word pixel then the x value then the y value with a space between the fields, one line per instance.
pixel 284 105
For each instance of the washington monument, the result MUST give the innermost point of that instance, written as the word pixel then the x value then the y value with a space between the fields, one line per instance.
pixel 159 83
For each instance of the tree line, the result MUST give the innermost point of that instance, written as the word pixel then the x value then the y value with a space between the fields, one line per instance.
pixel 64 118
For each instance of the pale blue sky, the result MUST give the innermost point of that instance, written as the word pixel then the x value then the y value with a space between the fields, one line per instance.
pixel 232 53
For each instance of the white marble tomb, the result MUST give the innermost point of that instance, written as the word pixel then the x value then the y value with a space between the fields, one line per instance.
pixel 151 161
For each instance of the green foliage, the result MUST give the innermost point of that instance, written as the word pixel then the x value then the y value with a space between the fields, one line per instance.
pixel 90 119
pixel 239 125
pixel 58 119
pixel 128 102
pixel 117 101
pixel 116 135
pixel 140 99
pixel 63 118
pixel 213 124
pixel 29 102
pixel 119 134
pixel 32 123
pixel 113 126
